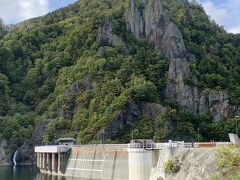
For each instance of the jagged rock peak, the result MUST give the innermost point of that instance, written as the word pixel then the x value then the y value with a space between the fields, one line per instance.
pixel 148 20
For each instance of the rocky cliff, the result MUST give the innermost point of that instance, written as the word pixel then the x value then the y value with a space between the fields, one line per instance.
pixel 3 155
pixel 128 117
pixel 195 164
pixel 148 20
pixel 26 153
pixel 217 105
pixel 106 35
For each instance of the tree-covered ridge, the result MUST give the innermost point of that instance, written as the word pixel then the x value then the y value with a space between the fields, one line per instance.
pixel 217 64
pixel 53 67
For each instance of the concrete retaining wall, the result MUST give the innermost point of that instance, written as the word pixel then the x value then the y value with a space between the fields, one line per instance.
pixel 98 162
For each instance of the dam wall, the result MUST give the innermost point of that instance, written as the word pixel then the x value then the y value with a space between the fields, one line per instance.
pixel 98 162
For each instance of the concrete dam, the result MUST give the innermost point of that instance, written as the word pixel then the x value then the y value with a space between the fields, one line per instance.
pixel 140 160
pixel 95 161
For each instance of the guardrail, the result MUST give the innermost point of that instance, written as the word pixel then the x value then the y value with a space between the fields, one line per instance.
pixel 103 146
pixel 134 145
pixel 178 145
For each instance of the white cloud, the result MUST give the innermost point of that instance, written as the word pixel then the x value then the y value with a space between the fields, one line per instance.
pixel 219 14
pixel 225 12
pixel 234 29
pixel 19 10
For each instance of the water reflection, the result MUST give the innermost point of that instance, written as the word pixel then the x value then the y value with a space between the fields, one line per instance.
pixel 28 173
pixel 41 176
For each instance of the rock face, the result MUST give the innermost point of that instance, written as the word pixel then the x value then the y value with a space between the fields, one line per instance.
pixel 84 84
pixel 68 106
pixel 148 20
pixel 196 164
pixel 3 147
pixel 106 35
pixel 128 116
pixel 26 151
pixel 217 105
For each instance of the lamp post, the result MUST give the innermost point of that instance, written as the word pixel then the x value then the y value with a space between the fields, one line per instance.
pixel 133 132
pixel 198 134
pixel 237 124
pixel 103 136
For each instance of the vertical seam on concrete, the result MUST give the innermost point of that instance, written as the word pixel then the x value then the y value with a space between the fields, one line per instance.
pixel 75 163
pixel 114 165
pixel 94 157
pixel 85 153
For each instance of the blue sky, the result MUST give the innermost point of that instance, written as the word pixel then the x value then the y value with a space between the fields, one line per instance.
pixel 55 4
pixel 225 12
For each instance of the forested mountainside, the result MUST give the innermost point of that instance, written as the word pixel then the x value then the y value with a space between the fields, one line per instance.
pixel 100 69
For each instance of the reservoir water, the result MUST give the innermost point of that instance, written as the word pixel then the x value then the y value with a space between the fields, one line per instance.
pixel 27 173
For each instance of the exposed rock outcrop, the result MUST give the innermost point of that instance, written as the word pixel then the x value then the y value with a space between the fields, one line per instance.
pixel 106 35
pixel 150 21
pixel 26 151
pixel 196 164
pixel 217 105
pixel 84 84
pixel 128 116
pixel 3 154
pixel 67 108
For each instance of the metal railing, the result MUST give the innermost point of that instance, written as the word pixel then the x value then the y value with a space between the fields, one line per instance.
pixel 152 146
pixel 104 146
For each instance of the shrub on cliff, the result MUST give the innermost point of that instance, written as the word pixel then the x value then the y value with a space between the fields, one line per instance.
pixel 228 156
pixel 172 166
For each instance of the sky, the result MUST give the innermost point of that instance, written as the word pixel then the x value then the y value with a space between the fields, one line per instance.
pixel 14 11
pixel 225 12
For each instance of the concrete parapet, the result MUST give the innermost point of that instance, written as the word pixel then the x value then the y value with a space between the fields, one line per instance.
pixel 52 149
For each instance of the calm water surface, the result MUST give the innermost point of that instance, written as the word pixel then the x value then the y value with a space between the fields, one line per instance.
pixel 27 173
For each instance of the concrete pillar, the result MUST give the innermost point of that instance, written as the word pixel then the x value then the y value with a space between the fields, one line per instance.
pixel 54 163
pixel 44 162
pixel 37 160
pixel 62 163
pixel 140 163
pixel 49 162
pixel 41 160
pixel 59 163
